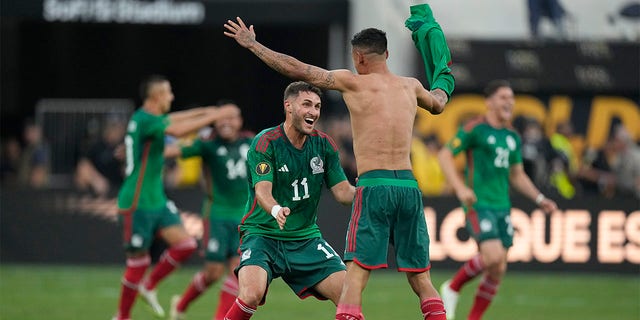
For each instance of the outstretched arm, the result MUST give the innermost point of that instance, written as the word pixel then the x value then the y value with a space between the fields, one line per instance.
pixel 269 204
pixel 344 192
pixel 282 63
pixel 188 114
pixel 186 123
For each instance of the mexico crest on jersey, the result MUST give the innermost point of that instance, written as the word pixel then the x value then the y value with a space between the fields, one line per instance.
pixel 316 165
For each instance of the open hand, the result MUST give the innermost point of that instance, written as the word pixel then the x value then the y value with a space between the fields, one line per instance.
pixel 245 37
pixel 282 216
pixel 466 196
pixel 548 205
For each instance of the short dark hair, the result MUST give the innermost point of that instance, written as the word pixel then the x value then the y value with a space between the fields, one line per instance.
pixel 294 88
pixel 371 39
pixel 493 86
pixel 148 82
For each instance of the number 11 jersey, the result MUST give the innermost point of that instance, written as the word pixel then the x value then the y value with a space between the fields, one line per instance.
pixel 298 176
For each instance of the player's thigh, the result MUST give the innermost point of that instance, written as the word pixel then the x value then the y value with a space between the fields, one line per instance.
pixel 261 252
pixel 492 252
pixel 252 284
pixel 310 262
pixel 170 225
pixel 331 286
pixel 214 270
pixel 369 228
pixel 410 234
pixel 174 234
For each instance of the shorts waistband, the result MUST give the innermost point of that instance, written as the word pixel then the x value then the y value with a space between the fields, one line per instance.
pixel 400 178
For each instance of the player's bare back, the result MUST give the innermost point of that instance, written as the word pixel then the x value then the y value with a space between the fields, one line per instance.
pixel 382 107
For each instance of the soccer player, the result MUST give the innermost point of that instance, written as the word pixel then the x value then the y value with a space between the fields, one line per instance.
pixel 388 205
pixel 289 165
pixel 144 207
pixel 494 161
pixel 224 163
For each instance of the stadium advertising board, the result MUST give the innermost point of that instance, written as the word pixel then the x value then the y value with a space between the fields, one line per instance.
pixel 587 234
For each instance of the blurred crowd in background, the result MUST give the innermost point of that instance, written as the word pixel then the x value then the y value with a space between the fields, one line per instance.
pixel 551 162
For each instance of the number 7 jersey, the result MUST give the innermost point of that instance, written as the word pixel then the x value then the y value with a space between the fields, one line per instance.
pixel 490 153
pixel 297 175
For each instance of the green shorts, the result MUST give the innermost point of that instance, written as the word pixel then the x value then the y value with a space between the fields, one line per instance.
pixel 220 240
pixel 140 226
pixel 301 264
pixel 388 209
pixel 485 224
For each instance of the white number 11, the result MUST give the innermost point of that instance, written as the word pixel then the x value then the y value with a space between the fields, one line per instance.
pixel 296 193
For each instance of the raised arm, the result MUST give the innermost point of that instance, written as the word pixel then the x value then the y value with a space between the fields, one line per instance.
pixel 432 101
pixel 182 124
pixel 285 64
pixel 187 114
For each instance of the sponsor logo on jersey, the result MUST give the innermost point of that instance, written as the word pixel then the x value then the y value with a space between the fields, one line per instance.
pixel 316 165
pixel 246 255
pixel 263 168
pixel 284 168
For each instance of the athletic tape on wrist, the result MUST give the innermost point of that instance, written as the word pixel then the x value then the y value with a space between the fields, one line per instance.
pixel 540 198
pixel 275 209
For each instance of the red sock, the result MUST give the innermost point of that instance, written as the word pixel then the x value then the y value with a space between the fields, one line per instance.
pixel 132 276
pixel 349 312
pixel 198 285
pixel 240 311
pixel 466 273
pixel 433 309
pixel 228 295
pixel 170 260
pixel 486 291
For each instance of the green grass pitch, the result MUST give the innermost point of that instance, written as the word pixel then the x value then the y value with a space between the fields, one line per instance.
pixel 91 292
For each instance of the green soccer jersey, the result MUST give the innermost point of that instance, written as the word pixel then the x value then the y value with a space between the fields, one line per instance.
pixel 226 174
pixel 144 143
pixel 490 153
pixel 297 176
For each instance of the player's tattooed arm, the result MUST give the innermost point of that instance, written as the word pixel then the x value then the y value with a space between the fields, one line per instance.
pixel 282 63
pixel 294 68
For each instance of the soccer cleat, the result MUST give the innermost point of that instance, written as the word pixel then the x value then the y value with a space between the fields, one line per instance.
pixel 151 298
pixel 174 314
pixel 450 299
